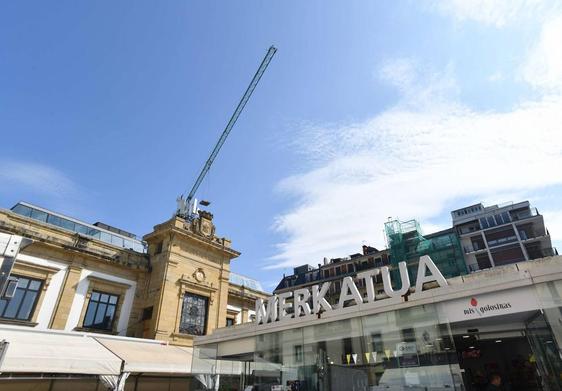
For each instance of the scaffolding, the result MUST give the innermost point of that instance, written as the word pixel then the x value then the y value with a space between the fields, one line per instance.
pixel 406 243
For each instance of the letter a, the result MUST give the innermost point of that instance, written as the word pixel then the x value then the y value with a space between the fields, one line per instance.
pixel 349 292
pixel 435 275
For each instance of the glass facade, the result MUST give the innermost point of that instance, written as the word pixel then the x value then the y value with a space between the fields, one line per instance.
pixel 452 345
pixel 84 229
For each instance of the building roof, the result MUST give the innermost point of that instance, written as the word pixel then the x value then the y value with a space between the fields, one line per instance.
pixel 128 241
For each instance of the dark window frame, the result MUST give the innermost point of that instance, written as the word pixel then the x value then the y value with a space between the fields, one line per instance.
pixel 26 289
pixel 98 301
pixel 184 326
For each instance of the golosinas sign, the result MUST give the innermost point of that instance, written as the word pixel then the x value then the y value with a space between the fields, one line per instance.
pixel 307 301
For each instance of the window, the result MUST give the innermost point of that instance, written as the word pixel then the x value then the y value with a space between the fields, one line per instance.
pixel 38 215
pixel 337 286
pixel 483 223
pixel 100 313
pixel 22 304
pixel 147 313
pixel 229 322
pixel 194 314
pixel 158 249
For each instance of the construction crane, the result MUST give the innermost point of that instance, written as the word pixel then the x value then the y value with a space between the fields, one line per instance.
pixel 187 206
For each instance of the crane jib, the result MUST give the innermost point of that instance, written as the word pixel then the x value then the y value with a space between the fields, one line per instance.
pixel 229 126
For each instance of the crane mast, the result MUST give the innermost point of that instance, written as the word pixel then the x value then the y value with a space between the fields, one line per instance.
pixel 187 207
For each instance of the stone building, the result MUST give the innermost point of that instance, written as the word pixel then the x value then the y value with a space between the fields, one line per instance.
pixel 172 285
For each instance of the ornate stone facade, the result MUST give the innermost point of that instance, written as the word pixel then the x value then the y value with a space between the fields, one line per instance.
pixel 183 258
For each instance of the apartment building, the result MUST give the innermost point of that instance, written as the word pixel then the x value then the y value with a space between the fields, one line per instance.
pixel 501 234
pixel 334 270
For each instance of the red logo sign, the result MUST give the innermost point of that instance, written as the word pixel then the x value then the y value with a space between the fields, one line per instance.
pixel 473 302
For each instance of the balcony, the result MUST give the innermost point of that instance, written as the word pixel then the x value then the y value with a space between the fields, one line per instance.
pixel 502 241
pixel 531 212
pixel 537 253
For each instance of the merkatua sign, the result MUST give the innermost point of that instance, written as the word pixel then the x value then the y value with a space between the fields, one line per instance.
pixel 276 307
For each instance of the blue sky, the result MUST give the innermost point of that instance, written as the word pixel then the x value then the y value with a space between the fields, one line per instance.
pixel 369 109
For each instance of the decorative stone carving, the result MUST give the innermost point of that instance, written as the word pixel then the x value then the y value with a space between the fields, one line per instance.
pixel 199 275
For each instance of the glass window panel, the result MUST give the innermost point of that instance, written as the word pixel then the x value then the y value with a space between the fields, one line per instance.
pixel 138 247
pixel 506 218
pixel 27 305
pixel 22 210
pixel 94 233
pixel 22 282
pixel 34 285
pixel 128 244
pixel 90 312
pixel 95 296
pixel 483 223
pixel 117 240
pixel 55 220
pixel 109 314
pixel 113 299
pixel 104 298
pixel 105 237
pixel 81 229
pixel 67 224
pixel 14 303
pixel 38 215
pixel 100 314
pixel 2 306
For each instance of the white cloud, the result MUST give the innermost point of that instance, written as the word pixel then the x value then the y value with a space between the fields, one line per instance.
pixel 42 179
pixel 424 154
pixel 543 69
pixel 497 13
pixel 412 160
pixel 410 164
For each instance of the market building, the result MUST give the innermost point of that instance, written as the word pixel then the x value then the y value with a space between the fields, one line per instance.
pixel 505 320
pixel 489 302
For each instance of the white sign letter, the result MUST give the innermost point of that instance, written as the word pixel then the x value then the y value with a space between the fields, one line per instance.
pixel 269 314
pixel 318 300
pixel 435 275
pixel 349 292
pixel 284 305
pixel 301 301
pixel 387 284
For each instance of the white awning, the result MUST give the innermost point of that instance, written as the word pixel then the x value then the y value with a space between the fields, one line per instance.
pixel 148 356
pixel 34 351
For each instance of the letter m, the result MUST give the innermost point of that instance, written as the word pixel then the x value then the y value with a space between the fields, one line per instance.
pixel 266 314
